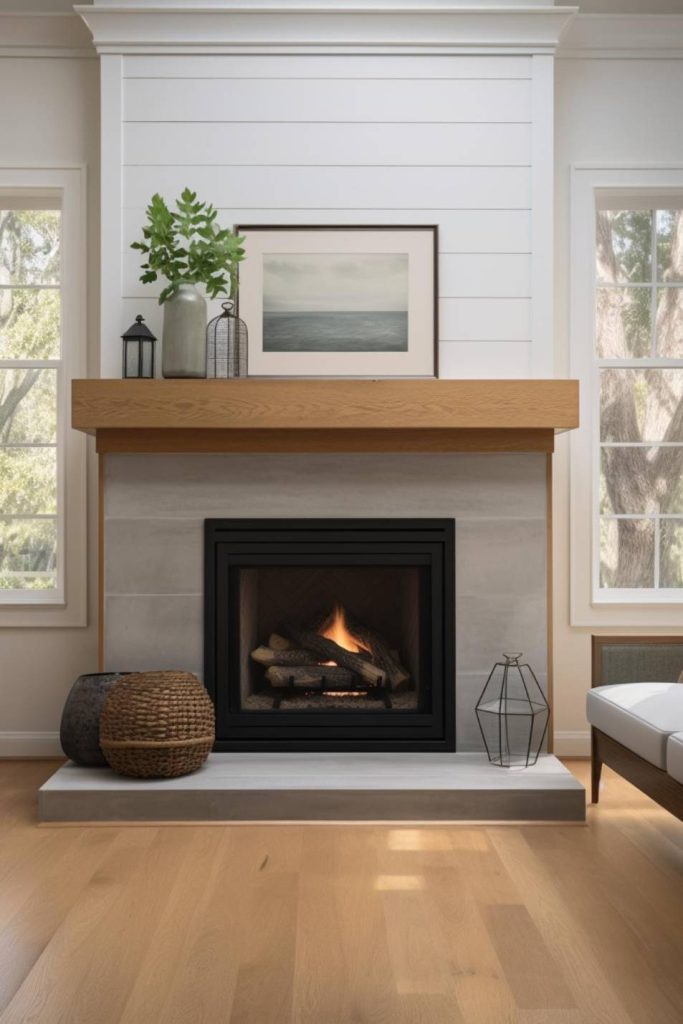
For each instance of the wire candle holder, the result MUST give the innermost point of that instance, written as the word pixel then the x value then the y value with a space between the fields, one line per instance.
pixel 226 344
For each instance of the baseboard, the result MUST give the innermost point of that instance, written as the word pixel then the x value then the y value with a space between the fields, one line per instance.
pixel 46 744
pixel 573 743
pixel 30 744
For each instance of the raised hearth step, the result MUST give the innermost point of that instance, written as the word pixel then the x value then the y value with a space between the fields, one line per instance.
pixel 322 787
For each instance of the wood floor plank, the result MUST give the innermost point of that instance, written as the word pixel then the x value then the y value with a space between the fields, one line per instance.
pixel 552 915
pixel 34 922
pixel 574 1016
pixel 664 852
pixel 197 983
pixel 530 969
pixel 265 979
pixel 481 990
pixel 371 993
pixel 320 977
pixel 131 927
pixel 586 882
pixel 83 948
pixel 169 956
pixel 651 907
pixel 333 924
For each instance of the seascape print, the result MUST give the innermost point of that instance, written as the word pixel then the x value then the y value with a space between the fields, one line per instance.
pixel 335 302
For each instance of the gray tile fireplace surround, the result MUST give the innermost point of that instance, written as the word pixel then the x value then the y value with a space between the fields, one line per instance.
pixel 155 506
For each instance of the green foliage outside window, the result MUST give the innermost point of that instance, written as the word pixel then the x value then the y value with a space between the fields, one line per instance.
pixel 30 329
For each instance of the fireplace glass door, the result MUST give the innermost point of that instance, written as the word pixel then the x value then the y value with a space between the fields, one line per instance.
pixel 330 634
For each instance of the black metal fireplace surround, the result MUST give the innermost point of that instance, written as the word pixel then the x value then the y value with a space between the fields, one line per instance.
pixel 331 634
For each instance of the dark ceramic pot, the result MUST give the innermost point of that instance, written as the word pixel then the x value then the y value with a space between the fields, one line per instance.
pixel 79 732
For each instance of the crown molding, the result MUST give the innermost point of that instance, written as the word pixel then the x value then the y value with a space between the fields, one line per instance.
pixel 59 34
pixel 313 26
pixel 623 36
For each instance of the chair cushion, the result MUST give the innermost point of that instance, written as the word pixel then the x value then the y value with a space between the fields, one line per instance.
pixel 640 716
pixel 674 756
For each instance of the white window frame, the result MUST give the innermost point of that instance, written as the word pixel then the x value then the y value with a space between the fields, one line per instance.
pixel 591 605
pixel 68 605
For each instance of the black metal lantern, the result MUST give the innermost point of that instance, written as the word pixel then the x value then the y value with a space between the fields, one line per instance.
pixel 226 344
pixel 513 714
pixel 138 350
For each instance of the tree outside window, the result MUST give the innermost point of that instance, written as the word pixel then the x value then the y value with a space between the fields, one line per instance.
pixel 639 339
pixel 30 352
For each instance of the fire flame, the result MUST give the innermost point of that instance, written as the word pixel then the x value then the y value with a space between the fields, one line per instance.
pixel 336 629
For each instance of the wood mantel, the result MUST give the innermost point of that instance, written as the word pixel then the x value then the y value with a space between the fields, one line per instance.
pixel 324 415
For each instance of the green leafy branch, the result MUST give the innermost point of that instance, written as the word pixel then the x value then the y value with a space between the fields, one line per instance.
pixel 186 246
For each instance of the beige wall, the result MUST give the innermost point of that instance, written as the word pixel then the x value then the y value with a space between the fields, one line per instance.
pixel 50 117
pixel 610 112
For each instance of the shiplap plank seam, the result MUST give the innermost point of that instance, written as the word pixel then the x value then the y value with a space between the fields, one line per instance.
pixel 287 120
pixel 330 166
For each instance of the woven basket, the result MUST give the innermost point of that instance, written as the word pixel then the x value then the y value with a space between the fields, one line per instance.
pixel 157 725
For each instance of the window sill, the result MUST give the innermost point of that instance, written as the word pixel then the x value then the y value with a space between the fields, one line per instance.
pixel 44 616
pixel 638 598
pixel 626 615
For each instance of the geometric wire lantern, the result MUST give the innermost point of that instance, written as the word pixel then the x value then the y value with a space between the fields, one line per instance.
pixel 226 344
pixel 513 714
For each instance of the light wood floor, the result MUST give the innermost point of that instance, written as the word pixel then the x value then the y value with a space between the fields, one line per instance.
pixel 341 924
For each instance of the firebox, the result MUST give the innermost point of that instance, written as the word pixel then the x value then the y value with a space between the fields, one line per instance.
pixel 331 634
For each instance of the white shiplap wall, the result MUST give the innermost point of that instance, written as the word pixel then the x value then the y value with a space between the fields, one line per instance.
pixel 460 141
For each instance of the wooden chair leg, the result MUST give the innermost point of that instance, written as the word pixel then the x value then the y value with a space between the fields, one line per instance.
pixel 596 769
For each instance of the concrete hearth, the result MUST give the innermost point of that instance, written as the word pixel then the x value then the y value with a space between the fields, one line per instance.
pixel 322 787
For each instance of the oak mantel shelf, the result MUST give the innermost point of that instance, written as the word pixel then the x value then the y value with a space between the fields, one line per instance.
pixel 258 414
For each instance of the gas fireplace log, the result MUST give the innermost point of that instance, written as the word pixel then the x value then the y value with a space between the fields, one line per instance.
pixel 382 655
pixel 303 676
pixel 398 676
pixel 279 643
pixel 328 650
pixel 267 656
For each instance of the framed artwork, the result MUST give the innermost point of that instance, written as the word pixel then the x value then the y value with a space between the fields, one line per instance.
pixel 333 301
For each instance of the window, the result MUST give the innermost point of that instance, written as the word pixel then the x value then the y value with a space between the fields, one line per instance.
pixel 639 352
pixel 42 461
pixel 31 558
pixel 626 349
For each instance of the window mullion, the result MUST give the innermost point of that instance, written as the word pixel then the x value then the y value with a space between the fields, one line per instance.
pixel 653 286
pixel 31 287
pixel 30 364
pixel 28 515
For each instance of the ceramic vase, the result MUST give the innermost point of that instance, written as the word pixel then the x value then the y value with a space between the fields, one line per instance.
pixel 79 733
pixel 183 351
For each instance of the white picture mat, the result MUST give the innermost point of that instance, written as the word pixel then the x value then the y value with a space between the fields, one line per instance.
pixel 418 361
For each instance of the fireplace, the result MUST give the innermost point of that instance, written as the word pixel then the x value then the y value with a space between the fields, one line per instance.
pixel 330 634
